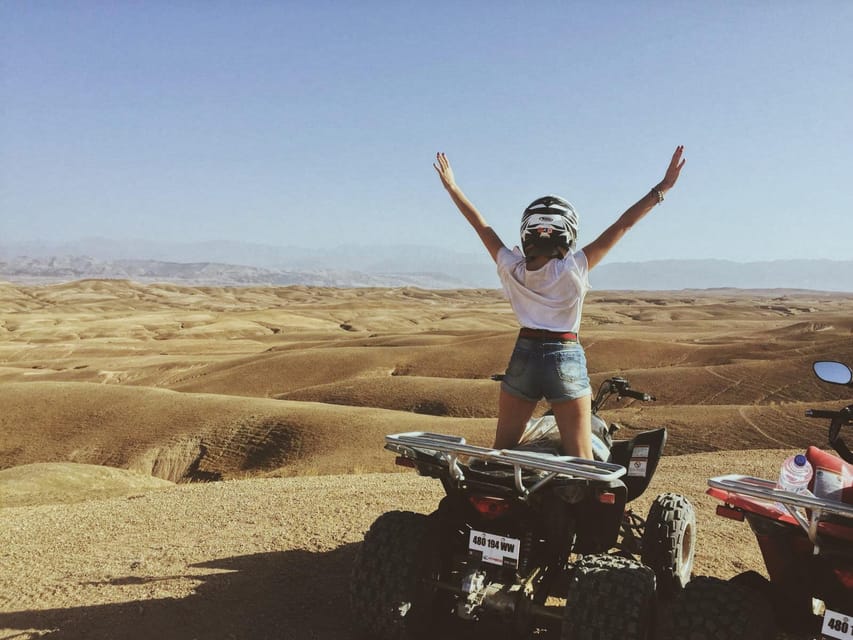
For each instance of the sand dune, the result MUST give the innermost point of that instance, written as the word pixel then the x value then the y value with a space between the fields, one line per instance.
pixel 177 436
pixel 109 389
pixel 202 382
pixel 417 394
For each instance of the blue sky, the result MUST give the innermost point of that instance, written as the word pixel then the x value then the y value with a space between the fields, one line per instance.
pixel 315 124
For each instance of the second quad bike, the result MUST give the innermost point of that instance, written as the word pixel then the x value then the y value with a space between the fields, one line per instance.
pixel 526 540
pixel 806 541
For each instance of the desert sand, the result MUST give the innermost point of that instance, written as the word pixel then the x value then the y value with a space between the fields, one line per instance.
pixel 180 462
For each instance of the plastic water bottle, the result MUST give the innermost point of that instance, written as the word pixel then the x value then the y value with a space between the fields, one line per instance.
pixel 795 474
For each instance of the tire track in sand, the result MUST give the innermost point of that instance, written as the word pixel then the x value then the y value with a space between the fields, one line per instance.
pixel 742 412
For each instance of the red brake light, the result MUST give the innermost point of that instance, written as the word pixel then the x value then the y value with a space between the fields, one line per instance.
pixel 728 512
pixel 845 577
pixel 489 506
pixel 400 461
pixel 607 497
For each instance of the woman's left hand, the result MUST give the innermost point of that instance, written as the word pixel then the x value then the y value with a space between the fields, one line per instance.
pixel 673 170
pixel 445 172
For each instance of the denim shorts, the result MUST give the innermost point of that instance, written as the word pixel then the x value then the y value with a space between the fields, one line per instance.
pixel 552 370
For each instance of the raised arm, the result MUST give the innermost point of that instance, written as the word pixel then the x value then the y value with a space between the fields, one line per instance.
pixel 490 239
pixel 598 248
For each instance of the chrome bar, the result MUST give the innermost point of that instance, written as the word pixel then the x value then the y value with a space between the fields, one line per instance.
pixel 576 467
pixel 541 483
pixel 451 448
pixel 766 490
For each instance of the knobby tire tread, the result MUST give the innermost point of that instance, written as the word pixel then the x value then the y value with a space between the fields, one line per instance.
pixel 609 598
pixel 713 609
pixel 386 575
pixel 670 517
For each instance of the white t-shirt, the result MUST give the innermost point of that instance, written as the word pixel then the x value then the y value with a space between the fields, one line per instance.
pixel 549 298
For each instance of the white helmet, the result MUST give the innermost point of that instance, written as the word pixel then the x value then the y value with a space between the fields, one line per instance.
pixel 548 225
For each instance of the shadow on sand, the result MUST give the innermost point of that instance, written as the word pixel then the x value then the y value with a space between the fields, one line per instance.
pixel 281 595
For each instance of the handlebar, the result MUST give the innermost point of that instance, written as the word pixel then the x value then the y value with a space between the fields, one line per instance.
pixel 619 387
pixel 622 388
pixel 821 413
pixel 637 395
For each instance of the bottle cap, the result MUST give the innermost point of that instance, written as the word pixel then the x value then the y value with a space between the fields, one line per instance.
pixel 800 460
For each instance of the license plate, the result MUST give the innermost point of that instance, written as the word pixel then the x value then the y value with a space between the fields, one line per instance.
pixel 837 625
pixel 495 549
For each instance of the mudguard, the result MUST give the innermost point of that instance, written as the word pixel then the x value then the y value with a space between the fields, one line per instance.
pixel 640 456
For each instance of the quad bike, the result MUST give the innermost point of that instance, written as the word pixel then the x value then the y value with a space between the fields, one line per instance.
pixel 806 540
pixel 517 527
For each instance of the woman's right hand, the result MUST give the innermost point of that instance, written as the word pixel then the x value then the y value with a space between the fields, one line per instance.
pixel 673 171
pixel 442 166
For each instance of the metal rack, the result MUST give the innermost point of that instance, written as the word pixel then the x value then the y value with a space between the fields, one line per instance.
pixel 766 490
pixel 450 449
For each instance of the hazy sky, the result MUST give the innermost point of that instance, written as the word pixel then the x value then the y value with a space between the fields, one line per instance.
pixel 316 123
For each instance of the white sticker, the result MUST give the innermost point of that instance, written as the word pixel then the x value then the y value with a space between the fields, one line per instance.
pixel 495 549
pixel 837 625
pixel 640 452
pixel 637 467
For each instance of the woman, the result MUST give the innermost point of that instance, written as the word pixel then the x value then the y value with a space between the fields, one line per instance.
pixel 546 286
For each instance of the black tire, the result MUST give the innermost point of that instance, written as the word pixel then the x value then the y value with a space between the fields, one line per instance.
pixel 669 542
pixel 754 581
pixel 388 597
pixel 791 612
pixel 609 598
pixel 713 609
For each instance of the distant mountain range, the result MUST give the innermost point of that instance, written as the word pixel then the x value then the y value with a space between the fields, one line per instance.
pixel 67 268
pixel 663 275
pixel 242 264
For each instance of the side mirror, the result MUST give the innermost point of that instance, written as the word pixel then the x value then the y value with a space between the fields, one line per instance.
pixel 834 372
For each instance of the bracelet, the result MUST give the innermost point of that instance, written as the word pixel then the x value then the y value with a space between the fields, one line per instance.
pixel 659 194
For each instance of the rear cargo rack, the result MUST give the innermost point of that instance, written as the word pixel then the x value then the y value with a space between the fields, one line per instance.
pixel 766 490
pixel 450 449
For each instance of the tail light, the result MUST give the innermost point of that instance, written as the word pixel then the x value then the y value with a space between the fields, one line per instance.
pixel 489 506
pixel 607 497
pixel 728 512
pixel 845 577
pixel 400 461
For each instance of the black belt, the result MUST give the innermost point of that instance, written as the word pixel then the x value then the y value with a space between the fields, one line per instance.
pixel 543 334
